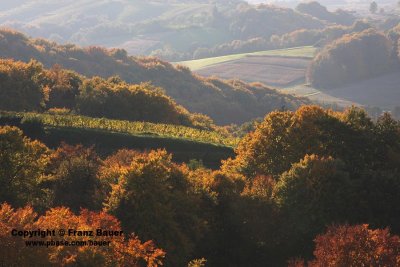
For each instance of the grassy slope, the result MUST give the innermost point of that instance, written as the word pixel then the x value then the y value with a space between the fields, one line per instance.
pixel 304 51
pixel 382 91
pixel 276 71
pixel 319 96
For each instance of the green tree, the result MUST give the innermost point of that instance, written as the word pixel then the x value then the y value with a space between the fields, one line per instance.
pixel 387 142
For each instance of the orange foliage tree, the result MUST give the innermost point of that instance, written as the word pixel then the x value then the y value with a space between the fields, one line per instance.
pixel 121 251
pixel 154 197
pixel 114 98
pixel 21 85
pixel 72 177
pixel 22 165
pixel 283 138
pixel 63 87
pixel 354 246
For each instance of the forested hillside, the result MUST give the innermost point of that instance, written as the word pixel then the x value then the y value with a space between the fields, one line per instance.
pixel 352 58
pixel 297 174
pixel 299 37
pixel 317 10
pixel 224 101
pixel 30 87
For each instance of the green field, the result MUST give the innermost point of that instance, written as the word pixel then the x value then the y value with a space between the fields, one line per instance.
pixel 303 51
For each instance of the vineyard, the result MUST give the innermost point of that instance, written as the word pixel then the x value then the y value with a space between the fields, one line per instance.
pixel 126 127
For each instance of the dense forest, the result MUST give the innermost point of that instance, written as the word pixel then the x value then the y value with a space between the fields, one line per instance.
pixel 296 174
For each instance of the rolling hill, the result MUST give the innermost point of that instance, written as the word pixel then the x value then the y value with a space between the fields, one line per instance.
pixel 279 68
pixel 198 64
pixel 224 101
pixel 286 69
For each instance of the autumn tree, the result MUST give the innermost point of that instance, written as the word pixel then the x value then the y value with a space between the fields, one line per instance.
pixel 283 138
pixel 22 165
pixel 314 192
pixel 224 218
pixel 261 151
pixel 21 86
pixel 123 250
pixel 116 99
pixel 113 167
pixel 153 197
pixel 260 224
pixel 327 167
pixel 72 177
pixel 356 246
pixel 13 251
pixel 30 87
pixel 63 88
pixel 242 219
pixel 351 58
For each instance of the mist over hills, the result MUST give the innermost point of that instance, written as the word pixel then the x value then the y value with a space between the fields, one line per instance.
pixel 142 27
